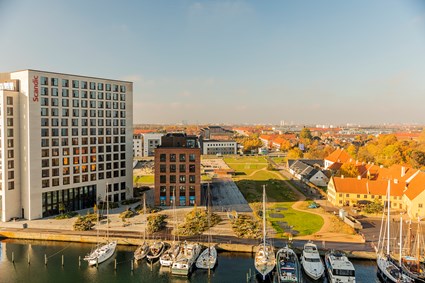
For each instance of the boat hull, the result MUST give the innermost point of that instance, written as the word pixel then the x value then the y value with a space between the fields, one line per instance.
pixel 207 259
pixel 265 261
pixel 288 266
pixel 101 253
pixel 184 262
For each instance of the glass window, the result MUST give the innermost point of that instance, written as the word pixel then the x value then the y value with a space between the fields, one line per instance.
pixel 83 85
pixel 54 81
pixel 44 81
pixel 172 179
pixel 75 84
pixel 65 83
pixel 192 157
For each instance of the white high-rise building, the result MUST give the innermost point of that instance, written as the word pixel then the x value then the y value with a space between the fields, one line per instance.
pixel 64 140
pixel 150 142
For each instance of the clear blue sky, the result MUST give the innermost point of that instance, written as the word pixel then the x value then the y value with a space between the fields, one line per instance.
pixel 234 61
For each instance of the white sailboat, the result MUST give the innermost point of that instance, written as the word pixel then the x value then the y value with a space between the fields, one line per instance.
pixel 208 258
pixel 311 261
pixel 265 260
pixel 102 251
pixel 183 264
pixel 387 269
pixel 143 249
pixel 168 257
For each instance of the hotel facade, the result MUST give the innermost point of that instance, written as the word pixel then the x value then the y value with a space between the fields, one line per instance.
pixel 65 141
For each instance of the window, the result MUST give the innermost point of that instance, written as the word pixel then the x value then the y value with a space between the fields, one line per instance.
pixel 44 81
pixel 182 179
pixel 54 81
pixel 192 179
pixel 162 179
pixel 192 157
pixel 172 168
pixel 173 179
pixel 420 205
pixel 182 157
pixel 182 190
pixel 162 157
pixel 192 168
pixel 162 168
pixel 9 100
pixel 75 84
pixel 83 85
pixel 182 168
pixel 172 157
pixel 65 83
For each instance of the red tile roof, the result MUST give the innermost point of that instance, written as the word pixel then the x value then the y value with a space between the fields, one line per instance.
pixel 339 155
pixel 365 186
pixel 416 186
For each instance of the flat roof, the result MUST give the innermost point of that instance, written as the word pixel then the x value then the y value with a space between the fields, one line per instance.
pixel 66 74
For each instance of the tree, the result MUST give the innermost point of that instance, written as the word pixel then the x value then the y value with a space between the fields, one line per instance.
pixel 295 153
pixel 349 170
pixel 306 134
pixel 417 159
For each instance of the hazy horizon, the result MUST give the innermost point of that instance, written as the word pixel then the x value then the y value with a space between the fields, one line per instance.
pixel 234 62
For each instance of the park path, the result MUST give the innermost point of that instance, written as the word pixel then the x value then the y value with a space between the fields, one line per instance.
pixel 325 233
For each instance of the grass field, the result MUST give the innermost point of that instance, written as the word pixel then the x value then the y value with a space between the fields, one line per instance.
pixel 280 196
pixel 144 179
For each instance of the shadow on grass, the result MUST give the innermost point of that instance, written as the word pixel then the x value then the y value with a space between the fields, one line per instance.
pixel 276 190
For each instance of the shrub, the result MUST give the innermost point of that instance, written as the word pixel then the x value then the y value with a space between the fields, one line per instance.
pixel 129 201
pixel 196 222
pixel 66 215
pixel 155 223
pixel 245 227
pixel 127 214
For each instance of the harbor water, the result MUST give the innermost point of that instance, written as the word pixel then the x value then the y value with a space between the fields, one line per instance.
pixel 24 261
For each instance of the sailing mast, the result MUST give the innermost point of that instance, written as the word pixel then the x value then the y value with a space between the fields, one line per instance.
pixel 107 213
pixel 388 217
pixel 264 215
pixel 401 235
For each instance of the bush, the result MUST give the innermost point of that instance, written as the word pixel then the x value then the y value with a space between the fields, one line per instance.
pixel 155 223
pixel 102 205
pixel 66 215
pixel 245 227
pixel 139 209
pixel 196 222
pixel 374 207
pixel 127 214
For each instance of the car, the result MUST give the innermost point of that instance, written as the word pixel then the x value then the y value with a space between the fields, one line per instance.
pixel 314 205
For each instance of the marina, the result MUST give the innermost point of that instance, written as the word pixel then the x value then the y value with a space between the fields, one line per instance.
pixel 65 264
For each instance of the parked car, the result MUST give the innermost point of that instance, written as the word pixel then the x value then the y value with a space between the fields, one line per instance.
pixel 314 205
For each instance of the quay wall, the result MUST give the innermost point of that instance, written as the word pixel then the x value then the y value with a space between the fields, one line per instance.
pixel 63 237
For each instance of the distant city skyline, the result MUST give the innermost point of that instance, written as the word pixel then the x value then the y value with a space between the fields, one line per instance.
pixel 235 62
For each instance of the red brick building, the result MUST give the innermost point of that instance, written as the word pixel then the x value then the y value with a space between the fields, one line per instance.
pixel 177 168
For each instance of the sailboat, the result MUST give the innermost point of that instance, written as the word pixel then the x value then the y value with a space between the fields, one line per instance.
pixel 208 258
pixel 168 257
pixel 410 262
pixel 264 257
pixel 143 249
pixel 102 251
pixel 155 251
pixel 387 269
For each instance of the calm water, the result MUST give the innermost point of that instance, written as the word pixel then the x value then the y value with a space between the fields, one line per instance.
pixel 232 267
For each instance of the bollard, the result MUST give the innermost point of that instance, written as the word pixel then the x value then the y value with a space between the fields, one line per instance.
pixel 13 257
pixel 28 258
pixel 79 261
pixel 45 259
pixel 115 264
pixel 97 262
pixel 247 277
pixel 63 261
pixel 131 266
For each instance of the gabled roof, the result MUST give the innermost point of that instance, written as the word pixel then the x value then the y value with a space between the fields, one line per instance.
pixel 339 155
pixel 303 169
pixel 396 171
pixel 365 186
pixel 416 186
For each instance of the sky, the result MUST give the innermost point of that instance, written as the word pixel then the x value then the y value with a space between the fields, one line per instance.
pixel 251 62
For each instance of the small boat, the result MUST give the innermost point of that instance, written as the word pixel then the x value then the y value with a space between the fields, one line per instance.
pixel 168 257
pixel 141 251
pixel 288 266
pixel 311 261
pixel 207 259
pixel 101 253
pixel 265 260
pixel 183 264
pixel 339 267
pixel 155 251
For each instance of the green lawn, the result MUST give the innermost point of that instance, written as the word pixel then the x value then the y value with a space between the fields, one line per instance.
pixel 145 179
pixel 246 165
pixel 279 160
pixel 303 222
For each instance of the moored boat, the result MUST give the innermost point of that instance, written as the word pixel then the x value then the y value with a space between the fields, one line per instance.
pixel 311 261
pixel 288 266
pixel 141 251
pixel 207 259
pixel 265 260
pixel 155 251
pixel 169 256
pixel 339 267
pixel 101 253
pixel 184 262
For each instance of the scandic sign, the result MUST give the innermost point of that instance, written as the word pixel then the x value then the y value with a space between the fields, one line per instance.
pixel 36 91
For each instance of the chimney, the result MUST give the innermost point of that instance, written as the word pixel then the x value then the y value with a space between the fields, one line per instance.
pixel 359 177
pixel 395 181
pixel 381 166
pixel 342 176
pixel 403 171
pixel 367 187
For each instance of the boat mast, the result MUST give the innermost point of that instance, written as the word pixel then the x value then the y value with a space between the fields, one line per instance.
pixel 107 213
pixel 388 217
pixel 174 215
pixel 401 234
pixel 264 215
